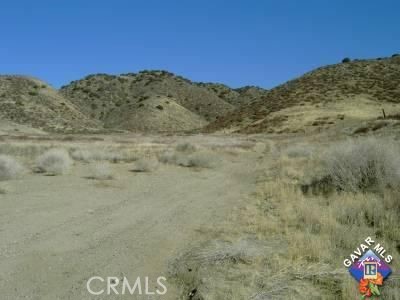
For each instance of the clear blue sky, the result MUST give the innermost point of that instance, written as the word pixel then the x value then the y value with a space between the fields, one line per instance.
pixel 238 43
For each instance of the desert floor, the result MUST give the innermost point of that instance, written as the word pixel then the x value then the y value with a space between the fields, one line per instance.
pixel 221 217
pixel 58 231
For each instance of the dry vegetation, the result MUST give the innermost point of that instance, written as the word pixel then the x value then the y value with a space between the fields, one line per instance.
pixel 9 168
pixel 188 155
pixel 314 203
pixel 288 243
pixel 101 171
pixel 145 164
pixel 54 162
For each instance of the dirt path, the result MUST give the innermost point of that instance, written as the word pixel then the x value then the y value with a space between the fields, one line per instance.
pixel 57 232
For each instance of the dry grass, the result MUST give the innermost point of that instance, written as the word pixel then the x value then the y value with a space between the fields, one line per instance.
pixel 81 151
pixel 26 151
pixel 299 150
pixel 111 154
pixel 145 164
pixel 101 171
pixel 187 156
pixel 186 147
pixel 360 165
pixel 304 239
pixel 4 189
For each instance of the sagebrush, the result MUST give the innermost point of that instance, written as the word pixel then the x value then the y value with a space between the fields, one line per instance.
pixel 54 162
pixel 361 165
pixel 9 168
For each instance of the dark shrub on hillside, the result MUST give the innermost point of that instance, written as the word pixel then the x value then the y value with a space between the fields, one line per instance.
pixel 346 60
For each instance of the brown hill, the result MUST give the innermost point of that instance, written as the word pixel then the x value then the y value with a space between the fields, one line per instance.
pixel 333 96
pixel 29 101
pixel 118 101
pixel 154 114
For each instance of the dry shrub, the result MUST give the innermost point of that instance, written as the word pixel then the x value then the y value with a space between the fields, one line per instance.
pixel 24 150
pixel 362 165
pixel 145 165
pixel 3 190
pixel 168 157
pixel 54 162
pixel 82 155
pixel 9 168
pixel 299 150
pixel 185 147
pixel 101 171
pixel 111 155
pixel 313 233
pixel 204 267
pixel 201 159
pixel 219 252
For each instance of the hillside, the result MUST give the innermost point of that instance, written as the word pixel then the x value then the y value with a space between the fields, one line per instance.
pixel 149 101
pixel 336 96
pixel 117 101
pixel 154 114
pixel 235 97
pixel 29 101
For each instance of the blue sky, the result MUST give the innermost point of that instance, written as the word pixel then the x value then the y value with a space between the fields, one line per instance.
pixel 238 43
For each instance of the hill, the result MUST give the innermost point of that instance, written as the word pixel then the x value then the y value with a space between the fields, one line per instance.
pixel 155 101
pixel 122 101
pixel 337 96
pixel 154 114
pixel 32 102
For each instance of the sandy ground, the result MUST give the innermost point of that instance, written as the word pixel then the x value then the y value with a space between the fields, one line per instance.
pixel 58 231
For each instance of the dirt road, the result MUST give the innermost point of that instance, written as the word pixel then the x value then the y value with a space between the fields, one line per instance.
pixel 57 232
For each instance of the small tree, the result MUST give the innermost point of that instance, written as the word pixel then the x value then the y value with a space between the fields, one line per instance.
pixel 346 60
